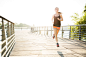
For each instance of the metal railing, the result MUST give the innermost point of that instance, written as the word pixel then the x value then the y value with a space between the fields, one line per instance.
pixel 76 32
pixel 7 39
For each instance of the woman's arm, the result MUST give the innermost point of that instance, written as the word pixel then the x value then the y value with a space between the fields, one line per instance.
pixel 61 18
pixel 52 18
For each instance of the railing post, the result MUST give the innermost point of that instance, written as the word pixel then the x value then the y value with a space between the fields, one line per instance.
pixel 44 30
pixel 79 32
pixel 8 30
pixel 34 29
pixel 39 30
pixel 13 29
pixel 8 34
pixel 51 30
pixel 47 30
pixel 62 31
pixel 3 30
pixel 3 35
pixel 70 33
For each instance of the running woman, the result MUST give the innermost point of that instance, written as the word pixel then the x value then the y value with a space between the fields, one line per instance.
pixel 57 24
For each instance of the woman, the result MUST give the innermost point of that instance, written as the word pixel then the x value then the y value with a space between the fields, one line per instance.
pixel 57 23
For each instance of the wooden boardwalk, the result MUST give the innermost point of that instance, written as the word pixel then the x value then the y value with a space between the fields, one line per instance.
pixel 32 45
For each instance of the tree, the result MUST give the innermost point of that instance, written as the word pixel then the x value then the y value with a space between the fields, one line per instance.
pixel 81 20
pixel 78 21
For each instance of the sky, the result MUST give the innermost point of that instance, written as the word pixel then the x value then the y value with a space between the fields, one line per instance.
pixel 39 12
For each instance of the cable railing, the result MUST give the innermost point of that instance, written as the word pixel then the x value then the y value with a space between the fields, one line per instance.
pixel 7 37
pixel 76 32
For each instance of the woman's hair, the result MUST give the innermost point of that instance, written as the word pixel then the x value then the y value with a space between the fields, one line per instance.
pixel 59 12
pixel 58 9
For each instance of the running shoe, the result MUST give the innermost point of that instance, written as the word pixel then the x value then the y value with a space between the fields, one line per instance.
pixel 53 36
pixel 57 44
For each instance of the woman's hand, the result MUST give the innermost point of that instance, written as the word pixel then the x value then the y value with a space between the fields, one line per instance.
pixel 58 19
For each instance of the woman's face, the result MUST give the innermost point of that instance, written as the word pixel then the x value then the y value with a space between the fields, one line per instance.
pixel 56 10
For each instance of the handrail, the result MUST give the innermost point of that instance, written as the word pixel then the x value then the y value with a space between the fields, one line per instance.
pixel 2 49
pixel 77 32
pixel 11 47
pixel 6 19
pixel 2 42
pixel 7 41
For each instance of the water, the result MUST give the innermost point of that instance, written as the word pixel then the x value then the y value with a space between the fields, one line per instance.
pixel 6 33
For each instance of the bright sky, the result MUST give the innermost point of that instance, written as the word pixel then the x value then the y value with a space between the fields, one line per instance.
pixel 39 12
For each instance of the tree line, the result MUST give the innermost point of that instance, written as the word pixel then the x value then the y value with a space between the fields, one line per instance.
pixel 21 25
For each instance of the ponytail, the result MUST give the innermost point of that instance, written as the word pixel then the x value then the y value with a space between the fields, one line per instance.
pixel 59 12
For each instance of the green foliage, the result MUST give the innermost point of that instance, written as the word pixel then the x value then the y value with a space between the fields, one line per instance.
pixel 78 21
pixel 81 20
pixel 75 18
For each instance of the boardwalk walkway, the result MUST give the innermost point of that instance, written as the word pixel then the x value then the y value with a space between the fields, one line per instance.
pixel 32 45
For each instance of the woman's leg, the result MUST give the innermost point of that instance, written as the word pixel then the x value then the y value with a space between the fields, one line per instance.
pixel 55 32
pixel 56 36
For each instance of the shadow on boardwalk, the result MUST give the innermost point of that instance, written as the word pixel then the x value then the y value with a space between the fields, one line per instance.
pixel 32 45
pixel 60 53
